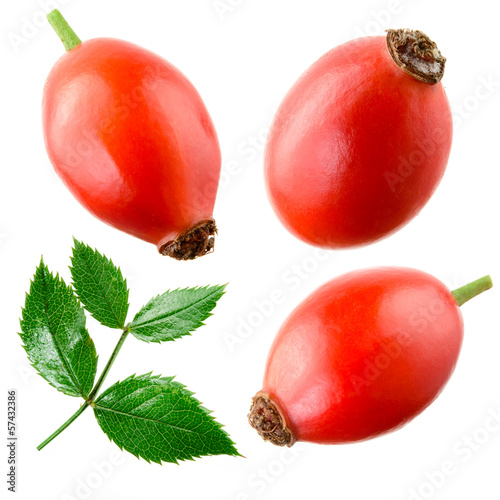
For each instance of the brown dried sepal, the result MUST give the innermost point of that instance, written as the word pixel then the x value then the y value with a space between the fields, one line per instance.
pixel 194 242
pixel 268 420
pixel 416 54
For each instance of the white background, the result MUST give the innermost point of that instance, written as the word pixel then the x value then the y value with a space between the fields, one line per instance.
pixel 243 57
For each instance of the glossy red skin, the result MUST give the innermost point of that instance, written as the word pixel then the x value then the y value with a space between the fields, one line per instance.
pixel 131 138
pixel 357 147
pixel 364 354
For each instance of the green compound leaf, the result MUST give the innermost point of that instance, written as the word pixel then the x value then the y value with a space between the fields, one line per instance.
pixel 100 286
pixel 54 335
pixel 175 313
pixel 159 420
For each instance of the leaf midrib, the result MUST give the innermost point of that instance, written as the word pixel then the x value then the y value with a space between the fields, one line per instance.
pixel 172 313
pixel 102 290
pixel 65 361
pixel 111 410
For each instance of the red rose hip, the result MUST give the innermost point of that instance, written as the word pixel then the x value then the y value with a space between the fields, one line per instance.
pixel 361 141
pixel 131 138
pixel 361 356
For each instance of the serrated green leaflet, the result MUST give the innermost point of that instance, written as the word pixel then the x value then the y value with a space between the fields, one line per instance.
pixel 175 313
pixel 54 335
pixel 100 286
pixel 159 420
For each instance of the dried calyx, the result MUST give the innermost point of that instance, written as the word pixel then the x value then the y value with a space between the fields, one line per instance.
pixel 194 242
pixel 416 54
pixel 267 419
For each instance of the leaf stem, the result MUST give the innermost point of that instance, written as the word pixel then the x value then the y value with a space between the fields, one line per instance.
pixel 63 426
pixel 92 395
pixel 68 37
pixel 469 291
pixel 109 364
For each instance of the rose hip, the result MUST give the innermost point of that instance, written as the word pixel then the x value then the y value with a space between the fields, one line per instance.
pixel 361 141
pixel 131 138
pixel 361 356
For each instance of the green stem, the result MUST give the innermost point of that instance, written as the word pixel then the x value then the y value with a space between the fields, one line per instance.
pixel 467 292
pixel 68 37
pixel 63 426
pixel 108 366
pixel 92 395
